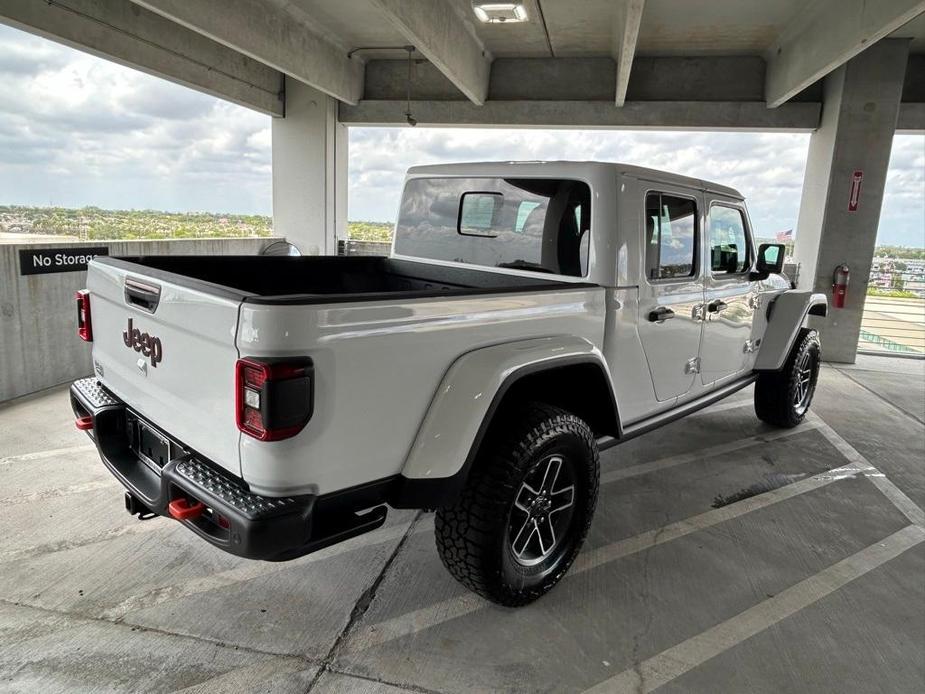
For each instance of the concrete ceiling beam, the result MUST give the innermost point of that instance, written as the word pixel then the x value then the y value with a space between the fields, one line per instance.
pixel 627 20
pixel 266 33
pixel 826 34
pixel 445 39
pixel 911 118
pixel 677 78
pixel 124 33
pixel 688 115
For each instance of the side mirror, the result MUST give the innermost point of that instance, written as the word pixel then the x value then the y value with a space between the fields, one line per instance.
pixel 770 261
pixel 281 248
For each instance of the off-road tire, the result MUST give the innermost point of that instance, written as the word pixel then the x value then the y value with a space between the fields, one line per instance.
pixel 776 392
pixel 473 537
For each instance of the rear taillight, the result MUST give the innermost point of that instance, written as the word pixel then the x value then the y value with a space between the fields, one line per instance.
pixel 273 397
pixel 84 328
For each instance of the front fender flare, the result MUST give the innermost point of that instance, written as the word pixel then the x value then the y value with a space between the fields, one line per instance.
pixel 788 312
pixel 470 391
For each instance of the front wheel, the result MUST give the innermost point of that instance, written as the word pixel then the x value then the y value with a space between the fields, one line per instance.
pixel 782 398
pixel 525 510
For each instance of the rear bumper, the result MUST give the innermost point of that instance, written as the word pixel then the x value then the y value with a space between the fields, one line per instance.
pixel 234 519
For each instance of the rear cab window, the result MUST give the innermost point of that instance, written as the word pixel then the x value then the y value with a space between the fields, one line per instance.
pixel 671 237
pixel 537 224
pixel 728 241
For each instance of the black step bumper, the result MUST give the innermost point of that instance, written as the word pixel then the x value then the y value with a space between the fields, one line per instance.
pixel 234 519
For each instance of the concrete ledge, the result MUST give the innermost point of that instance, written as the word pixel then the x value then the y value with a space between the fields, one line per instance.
pixel 353 247
pixel 38 342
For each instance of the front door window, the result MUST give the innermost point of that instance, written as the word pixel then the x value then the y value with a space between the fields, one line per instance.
pixel 729 296
pixel 729 247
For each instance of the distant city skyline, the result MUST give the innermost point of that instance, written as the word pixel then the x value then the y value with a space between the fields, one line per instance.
pixel 76 130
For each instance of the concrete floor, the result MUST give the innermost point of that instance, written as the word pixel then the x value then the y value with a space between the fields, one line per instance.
pixel 725 556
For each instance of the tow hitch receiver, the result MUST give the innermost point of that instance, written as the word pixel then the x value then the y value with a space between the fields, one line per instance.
pixel 136 508
pixel 84 423
pixel 182 509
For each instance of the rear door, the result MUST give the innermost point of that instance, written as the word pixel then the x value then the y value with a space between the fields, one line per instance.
pixel 169 352
pixel 730 296
pixel 671 290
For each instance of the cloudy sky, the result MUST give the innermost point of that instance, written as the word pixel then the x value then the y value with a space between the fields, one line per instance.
pixel 77 130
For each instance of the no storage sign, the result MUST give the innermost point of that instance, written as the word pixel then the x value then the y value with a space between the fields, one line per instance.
pixel 43 261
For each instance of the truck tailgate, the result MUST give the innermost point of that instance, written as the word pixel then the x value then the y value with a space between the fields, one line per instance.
pixel 169 352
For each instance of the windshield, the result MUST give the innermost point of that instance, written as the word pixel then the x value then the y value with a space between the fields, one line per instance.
pixel 528 224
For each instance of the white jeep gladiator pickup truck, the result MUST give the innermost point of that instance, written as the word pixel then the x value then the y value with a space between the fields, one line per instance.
pixel 529 316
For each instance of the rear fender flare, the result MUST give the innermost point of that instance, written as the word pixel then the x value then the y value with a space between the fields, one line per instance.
pixel 470 393
pixel 786 315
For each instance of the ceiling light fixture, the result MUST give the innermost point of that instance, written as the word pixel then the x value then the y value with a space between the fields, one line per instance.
pixel 499 12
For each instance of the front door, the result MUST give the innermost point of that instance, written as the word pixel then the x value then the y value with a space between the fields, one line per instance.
pixel 671 293
pixel 730 296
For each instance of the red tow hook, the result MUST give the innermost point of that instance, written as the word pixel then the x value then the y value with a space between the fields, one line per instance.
pixel 181 509
pixel 84 423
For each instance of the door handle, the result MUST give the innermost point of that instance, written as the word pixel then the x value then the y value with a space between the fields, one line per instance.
pixel 660 314
pixel 717 305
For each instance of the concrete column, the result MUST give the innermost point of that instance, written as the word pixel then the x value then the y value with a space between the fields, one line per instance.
pixel 310 171
pixel 859 113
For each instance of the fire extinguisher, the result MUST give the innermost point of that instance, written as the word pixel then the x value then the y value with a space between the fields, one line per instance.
pixel 840 285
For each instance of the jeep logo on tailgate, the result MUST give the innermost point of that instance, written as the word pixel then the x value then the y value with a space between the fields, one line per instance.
pixel 148 345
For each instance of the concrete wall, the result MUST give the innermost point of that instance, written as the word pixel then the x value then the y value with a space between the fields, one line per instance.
pixel 351 247
pixel 39 346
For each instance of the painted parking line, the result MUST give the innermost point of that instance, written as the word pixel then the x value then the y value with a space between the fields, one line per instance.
pixel 720 449
pixel 42 455
pixel 673 531
pixel 446 610
pixel 896 496
pixel 255 569
pixel 136 528
pixel 260 676
pixel 660 669
pixel 167 593
pixel 722 407
pixel 81 488
pixel 248 572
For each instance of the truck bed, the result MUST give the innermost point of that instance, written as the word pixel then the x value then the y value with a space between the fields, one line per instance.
pixel 378 356
pixel 324 279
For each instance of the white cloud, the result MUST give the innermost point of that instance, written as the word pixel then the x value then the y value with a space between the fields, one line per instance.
pixel 902 217
pixel 78 130
pixel 766 167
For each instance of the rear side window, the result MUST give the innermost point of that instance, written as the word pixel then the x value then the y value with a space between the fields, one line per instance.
pixel 477 213
pixel 671 236
pixel 729 247
pixel 526 224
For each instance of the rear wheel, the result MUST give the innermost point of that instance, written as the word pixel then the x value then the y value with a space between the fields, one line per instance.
pixel 782 398
pixel 525 510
